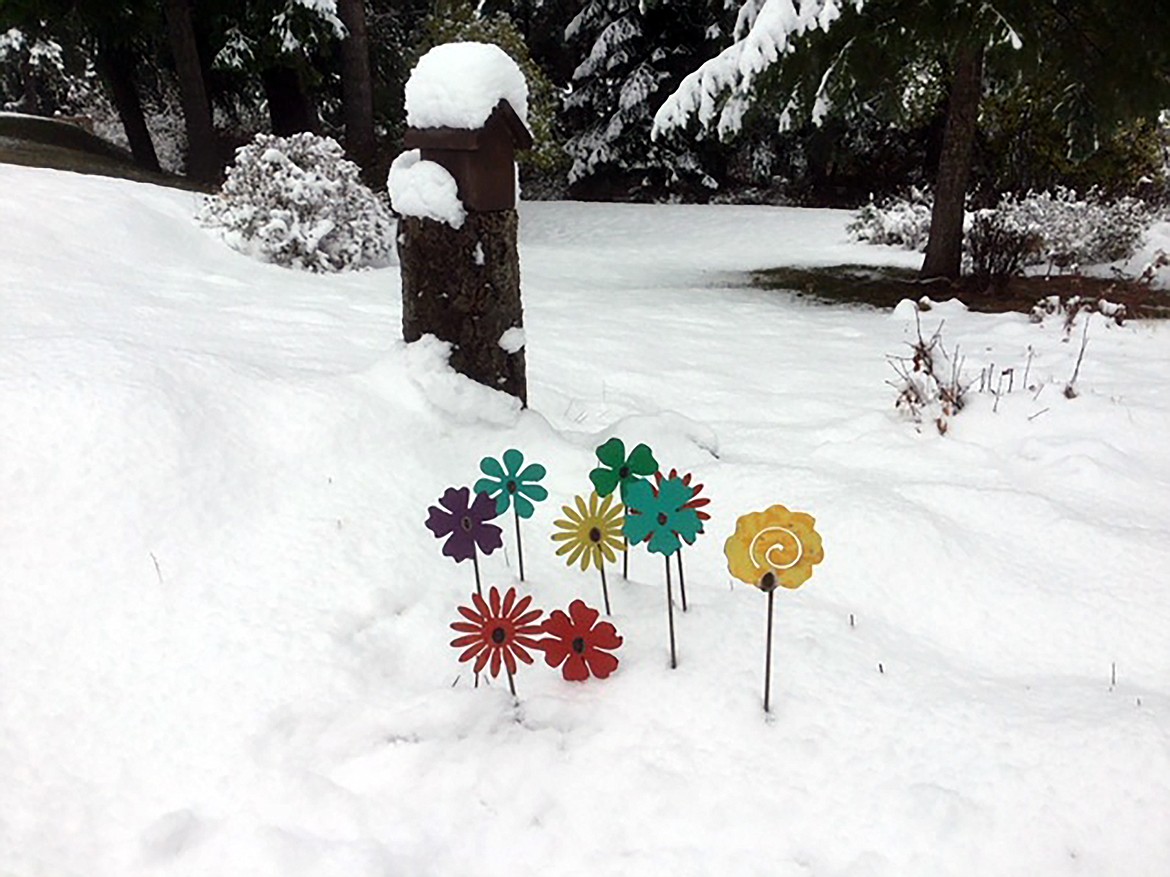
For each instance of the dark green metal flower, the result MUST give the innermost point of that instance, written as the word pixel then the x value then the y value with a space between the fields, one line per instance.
pixel 618 469
pixel 509 483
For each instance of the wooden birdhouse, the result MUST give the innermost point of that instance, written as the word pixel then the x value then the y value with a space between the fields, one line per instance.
pixel 482 160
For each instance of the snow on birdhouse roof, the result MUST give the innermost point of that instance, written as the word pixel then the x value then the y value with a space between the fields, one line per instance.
pixel 457 85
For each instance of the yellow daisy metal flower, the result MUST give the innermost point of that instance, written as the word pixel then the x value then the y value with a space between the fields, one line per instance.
pixel 774 548
pixel 591 532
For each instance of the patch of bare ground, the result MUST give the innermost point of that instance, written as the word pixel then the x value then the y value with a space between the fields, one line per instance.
pixel 883 287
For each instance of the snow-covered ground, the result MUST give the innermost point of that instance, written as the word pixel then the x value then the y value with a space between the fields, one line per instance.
pixel 224 629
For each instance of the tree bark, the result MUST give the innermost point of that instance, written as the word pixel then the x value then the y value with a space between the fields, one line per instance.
pixel 463 286
pixel 944 249
pixel 202 147
pixel 29 103
pixel 357 88
pixel 289 106
pixel 116 66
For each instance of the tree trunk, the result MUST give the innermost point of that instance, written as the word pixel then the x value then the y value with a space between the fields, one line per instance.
pixel 29 103
pixel 289 106
pixel 116 65
pixel 357 88
pixel 202 146
pixel 463 286
pixel 944 249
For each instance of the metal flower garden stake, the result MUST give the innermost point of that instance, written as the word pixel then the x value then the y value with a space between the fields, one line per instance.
pixel 660 518
pixel 512 484
pixel 464 523
pixel 579 644
pixel 497 632
pixel 773 549
pixel 618 470
pixel 697 503
pixel 592 533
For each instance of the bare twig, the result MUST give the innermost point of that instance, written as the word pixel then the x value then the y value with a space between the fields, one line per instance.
pixel 1070 389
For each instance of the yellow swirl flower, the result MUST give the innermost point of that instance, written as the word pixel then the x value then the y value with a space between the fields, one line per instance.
pixel 774 548
pixel 591 532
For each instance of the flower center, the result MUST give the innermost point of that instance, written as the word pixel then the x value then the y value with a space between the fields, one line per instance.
pixel 768 582
pixel 594 535
pixel 498 636
pixel 624 472
pixel 662 518
pixel 579 645
pixel 511 487
pixel 465 524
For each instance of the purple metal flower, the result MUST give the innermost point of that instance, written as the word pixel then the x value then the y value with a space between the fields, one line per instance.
pixel 465 523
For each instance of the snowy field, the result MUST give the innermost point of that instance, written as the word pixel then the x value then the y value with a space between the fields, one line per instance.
pixel 223 626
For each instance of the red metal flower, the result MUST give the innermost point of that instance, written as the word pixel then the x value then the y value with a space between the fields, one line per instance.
pixel 497 631
pixel 696 502
pixel 577 641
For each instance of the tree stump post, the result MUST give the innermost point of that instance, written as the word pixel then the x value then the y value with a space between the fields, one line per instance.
pixel 463 286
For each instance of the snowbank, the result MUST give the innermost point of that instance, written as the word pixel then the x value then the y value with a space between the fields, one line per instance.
pixel 223 627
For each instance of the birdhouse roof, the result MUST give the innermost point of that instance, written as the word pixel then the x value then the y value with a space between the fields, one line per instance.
pixel 463 139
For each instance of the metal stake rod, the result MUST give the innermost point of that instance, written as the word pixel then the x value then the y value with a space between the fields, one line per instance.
pixel 670 615
pixel 519 547
pixel 768 658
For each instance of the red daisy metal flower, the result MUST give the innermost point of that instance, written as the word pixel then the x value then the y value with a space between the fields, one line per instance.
pixel 696 502
pixel 498 632
pixel 578 643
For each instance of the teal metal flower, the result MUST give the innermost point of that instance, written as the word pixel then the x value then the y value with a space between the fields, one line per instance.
pixel 509 483
pixel 661 517
pixel 618 469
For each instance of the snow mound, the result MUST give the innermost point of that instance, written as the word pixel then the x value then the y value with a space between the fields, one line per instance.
pixel 224 628
pixel 425 189
pixel 457 85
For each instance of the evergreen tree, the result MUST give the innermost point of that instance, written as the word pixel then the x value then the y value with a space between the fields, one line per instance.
pixel 1112 65
pixel 634 54
pixel 115 36
pixel 284 43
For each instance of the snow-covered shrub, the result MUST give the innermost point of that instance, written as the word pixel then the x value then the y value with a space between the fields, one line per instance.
pixel 1059 229
pixel 1077 231
pixel 999 243
pixel 898 222
pixel 298 202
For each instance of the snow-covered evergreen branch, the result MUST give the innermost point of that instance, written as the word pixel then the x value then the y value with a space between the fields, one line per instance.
pixel 764 32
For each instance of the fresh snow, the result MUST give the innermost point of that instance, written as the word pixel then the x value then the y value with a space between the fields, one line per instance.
pixel 223 626
pixel 512 340
pixel 457 85
pixel 425 189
